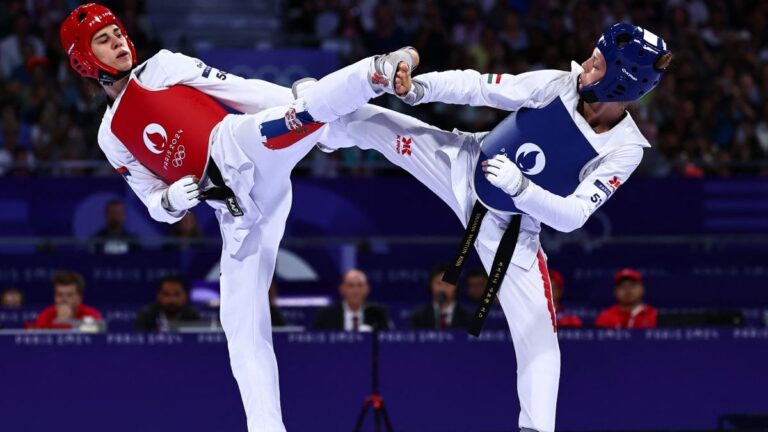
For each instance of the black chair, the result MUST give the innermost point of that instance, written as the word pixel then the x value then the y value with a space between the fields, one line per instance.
pixel 743 422
pixel 710 318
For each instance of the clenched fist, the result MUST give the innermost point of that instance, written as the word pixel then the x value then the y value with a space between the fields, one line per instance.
pixel 504 174
pixel 183 194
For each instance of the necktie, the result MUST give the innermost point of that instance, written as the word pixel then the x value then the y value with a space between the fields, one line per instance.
pixel 355 323
pixel 443 320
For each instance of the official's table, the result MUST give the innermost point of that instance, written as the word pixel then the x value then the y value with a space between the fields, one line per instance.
pixel 431 381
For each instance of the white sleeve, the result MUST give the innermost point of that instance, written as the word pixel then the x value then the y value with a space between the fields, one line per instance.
pixel 502 91
pixel 569 213
pixel 147 186
pixel 245 95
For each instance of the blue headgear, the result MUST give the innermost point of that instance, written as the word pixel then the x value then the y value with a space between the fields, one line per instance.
pixel 630 53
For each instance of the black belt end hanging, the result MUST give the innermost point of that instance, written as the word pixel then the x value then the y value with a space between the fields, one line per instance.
pixel 496 275
pixel 451 275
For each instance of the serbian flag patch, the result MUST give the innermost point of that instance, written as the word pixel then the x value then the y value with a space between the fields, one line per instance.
pixel 494 78
pixel 123 171
pixel 284 132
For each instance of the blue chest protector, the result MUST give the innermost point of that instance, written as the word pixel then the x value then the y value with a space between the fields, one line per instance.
pixel 544 143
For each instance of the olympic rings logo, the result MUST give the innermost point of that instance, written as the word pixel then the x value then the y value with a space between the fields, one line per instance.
pixel 178 157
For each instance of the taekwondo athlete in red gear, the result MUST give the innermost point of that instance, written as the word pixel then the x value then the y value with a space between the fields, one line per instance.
pixel 566 148
pixel 167 135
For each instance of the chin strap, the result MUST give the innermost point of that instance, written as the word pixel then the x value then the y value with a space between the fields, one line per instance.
pixel 107 79
pixel 588 95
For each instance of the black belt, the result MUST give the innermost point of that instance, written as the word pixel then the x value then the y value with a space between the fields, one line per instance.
pixel 451 275
pixel 221 192
pixel 498 269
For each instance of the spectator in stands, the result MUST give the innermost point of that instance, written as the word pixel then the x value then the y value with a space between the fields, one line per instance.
pixel 468 31
pixel 277 317
pixel 11 298
pixel 68 307
pixel 12 46
pixel 186 232
pixel 433 40
pixel 14 132
pixel 386 35
pixel 169 308
pixel 630 311
pixel 113 239
pixel 761 129
pixel 15 140
pixel 23 163
pixel 353 313
pixel 564 319
pixel 513 35
pixel 443 312
pixel 476 281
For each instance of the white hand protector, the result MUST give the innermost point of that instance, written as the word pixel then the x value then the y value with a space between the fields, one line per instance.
pixel 505 175
pixel 183 194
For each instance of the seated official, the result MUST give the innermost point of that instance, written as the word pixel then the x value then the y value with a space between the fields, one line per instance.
pixel 352 313
pixel 443 312
pixel 477 279
pixel 170 307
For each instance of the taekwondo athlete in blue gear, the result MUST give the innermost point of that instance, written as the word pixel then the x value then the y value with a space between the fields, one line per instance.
pixel 604 144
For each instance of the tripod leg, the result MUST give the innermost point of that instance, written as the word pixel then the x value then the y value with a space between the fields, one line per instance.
pixel 361 416
pixel 384 414
pixel 377 418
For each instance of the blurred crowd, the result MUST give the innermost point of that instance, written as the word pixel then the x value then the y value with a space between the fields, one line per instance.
pixel 49 115
pixel 708 117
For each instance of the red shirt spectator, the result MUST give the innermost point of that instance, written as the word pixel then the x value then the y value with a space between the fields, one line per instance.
pixel 630 311
pixel 68 304
pixel 564 319
pixel 616 316
pixel 47 318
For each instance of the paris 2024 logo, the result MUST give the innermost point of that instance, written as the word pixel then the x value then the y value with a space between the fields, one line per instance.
pixel 155 138
pixel 530 159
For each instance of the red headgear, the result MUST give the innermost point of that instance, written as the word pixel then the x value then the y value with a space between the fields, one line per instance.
pixel 76 34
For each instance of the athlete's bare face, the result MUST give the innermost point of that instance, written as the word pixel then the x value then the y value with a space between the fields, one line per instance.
pixel 594 68
pixel 108 44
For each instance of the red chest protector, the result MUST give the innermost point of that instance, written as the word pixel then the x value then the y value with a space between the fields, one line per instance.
pixel 167 130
